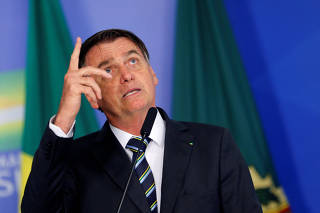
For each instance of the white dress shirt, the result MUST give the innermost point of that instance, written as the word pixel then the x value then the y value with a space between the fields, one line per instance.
pixel 154 152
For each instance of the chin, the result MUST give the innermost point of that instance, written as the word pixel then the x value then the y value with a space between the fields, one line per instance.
pixel 139 106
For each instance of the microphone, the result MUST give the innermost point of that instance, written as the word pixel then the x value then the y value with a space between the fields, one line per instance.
pixel 148 122
pixel 145 132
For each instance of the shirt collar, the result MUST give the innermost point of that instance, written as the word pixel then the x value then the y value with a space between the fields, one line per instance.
pixel 157 133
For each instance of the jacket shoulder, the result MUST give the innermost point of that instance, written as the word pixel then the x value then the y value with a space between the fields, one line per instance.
pixel 89 138
pixel 201 128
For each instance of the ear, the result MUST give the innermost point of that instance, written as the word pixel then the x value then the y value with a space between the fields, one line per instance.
pixel 154 76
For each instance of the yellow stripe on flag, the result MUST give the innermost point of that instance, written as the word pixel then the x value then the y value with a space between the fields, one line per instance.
pixel 280 203
pixel 26 162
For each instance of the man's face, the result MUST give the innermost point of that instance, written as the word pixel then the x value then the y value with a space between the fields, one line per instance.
pixel 132 87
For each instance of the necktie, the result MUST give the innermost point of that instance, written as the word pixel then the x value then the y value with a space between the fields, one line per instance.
pixel 143 170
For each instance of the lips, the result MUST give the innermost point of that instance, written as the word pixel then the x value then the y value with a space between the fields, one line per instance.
pixel 131 92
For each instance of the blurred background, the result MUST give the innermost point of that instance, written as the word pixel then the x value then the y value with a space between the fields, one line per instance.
pixel 278 42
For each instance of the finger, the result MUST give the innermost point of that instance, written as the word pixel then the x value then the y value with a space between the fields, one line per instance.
pixel 90 82
pixel 91 97
pixel 91 71
pixel 74 61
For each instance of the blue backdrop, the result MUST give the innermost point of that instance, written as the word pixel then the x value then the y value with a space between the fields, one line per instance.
pixel 278 41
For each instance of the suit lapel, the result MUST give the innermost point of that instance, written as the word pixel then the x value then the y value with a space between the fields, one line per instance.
pixel 177 155
pixel 115 162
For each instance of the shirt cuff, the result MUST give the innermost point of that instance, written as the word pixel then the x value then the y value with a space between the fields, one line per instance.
pixel 58 131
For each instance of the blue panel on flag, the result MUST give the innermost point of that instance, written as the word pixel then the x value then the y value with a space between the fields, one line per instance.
pixel 9 181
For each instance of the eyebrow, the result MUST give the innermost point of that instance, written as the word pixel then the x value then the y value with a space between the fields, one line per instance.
pixel 132 52
pixel 103 63
pixel 106 62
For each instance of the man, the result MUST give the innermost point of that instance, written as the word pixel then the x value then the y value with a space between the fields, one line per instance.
pixel 189 167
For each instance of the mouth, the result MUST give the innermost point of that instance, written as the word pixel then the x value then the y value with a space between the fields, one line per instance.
pixel 131 92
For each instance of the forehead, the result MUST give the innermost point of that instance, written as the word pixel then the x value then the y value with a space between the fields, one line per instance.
pixel 108 50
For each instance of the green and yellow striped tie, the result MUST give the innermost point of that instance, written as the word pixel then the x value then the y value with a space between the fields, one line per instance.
pixel 143 170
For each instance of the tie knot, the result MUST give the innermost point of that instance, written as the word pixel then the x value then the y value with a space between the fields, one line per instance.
pixel 136 143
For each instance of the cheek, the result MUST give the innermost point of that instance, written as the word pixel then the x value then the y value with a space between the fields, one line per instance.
pixel 109 100
pixel 109 91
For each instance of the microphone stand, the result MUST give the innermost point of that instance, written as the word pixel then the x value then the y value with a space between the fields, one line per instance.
pixel 145 132
pixel 130 176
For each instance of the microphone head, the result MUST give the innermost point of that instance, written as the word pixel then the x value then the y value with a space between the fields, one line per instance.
pixel 148 122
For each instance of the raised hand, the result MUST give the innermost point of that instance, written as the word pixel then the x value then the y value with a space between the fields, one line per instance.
pixel 76 82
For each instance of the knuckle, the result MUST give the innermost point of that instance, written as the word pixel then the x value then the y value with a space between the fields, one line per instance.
pixel 88 90
pixel 91 81
pixel 88 98
pixel 66 77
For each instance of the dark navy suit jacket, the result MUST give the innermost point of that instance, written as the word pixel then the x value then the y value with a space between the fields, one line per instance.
pixel 203 172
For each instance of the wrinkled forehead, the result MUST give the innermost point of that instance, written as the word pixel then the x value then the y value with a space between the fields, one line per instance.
pixel 109 50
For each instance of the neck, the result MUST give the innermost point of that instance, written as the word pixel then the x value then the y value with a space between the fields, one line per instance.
pixel 131 123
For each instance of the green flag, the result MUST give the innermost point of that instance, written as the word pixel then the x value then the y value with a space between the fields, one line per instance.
pixel 210 86
pixel 48 53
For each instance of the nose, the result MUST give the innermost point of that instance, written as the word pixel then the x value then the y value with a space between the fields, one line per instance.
pixel 126 74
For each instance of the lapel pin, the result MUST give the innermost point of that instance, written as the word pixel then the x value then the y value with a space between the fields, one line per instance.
pixel 191 143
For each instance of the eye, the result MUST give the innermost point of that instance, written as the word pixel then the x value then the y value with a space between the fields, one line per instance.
pixel 133 61
pixel 108 70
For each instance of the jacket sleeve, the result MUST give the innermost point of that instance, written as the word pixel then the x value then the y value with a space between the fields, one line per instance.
pixel 237 191
pixel 45 191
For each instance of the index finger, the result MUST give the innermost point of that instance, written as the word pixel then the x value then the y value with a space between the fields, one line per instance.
pixel 74 61
pixel 93 71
